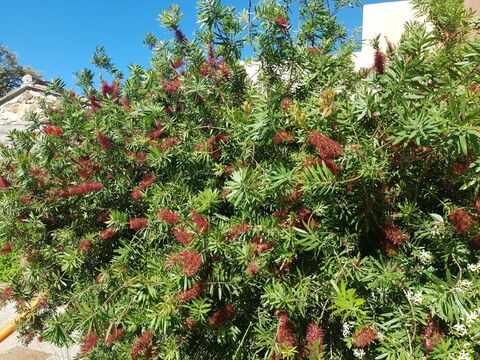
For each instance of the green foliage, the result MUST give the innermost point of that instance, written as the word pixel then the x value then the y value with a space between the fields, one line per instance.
pixel 11 72
pixel 190 212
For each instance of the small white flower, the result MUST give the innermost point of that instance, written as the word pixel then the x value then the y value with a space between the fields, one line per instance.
pixel 459 330
pixel 415 298
pixel 463 355
pixel 346 332
pixel 425 257
pixel 359 353
pixel 474 267
pixel 463 285
pixel 471 317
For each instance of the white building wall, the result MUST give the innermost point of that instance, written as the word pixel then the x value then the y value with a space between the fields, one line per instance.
pixel 386 19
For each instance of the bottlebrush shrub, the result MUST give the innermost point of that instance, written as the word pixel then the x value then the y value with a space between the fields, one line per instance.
pixel 190 212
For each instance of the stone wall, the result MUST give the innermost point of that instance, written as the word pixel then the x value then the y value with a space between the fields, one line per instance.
pixel 13 113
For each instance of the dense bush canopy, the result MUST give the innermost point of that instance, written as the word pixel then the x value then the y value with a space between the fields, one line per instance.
pixel 190 212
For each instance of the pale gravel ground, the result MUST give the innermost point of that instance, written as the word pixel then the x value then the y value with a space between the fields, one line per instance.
pixel 10 346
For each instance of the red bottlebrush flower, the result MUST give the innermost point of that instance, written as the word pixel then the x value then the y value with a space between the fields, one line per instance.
pixel 379 62
pixel 200 220
pixel 103 216
pixel 284 335
pixel 85 245
pixel 326 147
pixel 7 294
pixel 115 334
pixel 140 345
pixel 180 36
pixel 146 182
pixel 4 184
pixel 82 189
pixel 432 334
pixel 211 56
pixel 183 235
pixel 94 104
pixel 137 194
pixel 176 64
pixel 221 315
pixel 190 324
pixel 89 342
pixel 195 290
pixel 283 137
pixel 224 70
pixel 155 134
pixel 107 233
pixel 477 205
pixel 252 268
pixel 7 248
pixel 109 89
pixel 189 260
pixel 103 141
pixel 314 339
pixel 168 143
pixel 285 104
pixel 126 102
pixel 394 234
pixel 259 247
pixel 329 163
pixel 364 336
pixel 281 23
pixel 476 241
pixel 172 86
pixel 229 170
pixel 461 220
pixel 168 216
pixel 235 231
pixel 170 109
pixel 459 169
pixel 138 223
pixel 53 130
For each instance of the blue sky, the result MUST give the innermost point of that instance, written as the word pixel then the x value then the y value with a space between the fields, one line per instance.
pixel 57 37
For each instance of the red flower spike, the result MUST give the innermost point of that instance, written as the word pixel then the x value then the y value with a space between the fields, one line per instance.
pixel 53 130
pixel 7 294
pixel 432 334
pixel 189 260
pixel 221 316
pixel 4 184
pixel 195 290
pixel 379 62
pixel 155 134
pixel 281 23
pixel 103 141
pixel 109 89
pixel 7 248
pixel 168 143
pixel 236 231
pixel 138 223
pixel 252 268
pixel 168 216
pixel 107 233
pixel 94 104
pixel 200 221
pixel 477 205
pixel 394 234
pixel 141 344
pixel 364 336
pixel 314 339
pixel 85 245
pixel 183 235
pixel 115 334
pixel 190 324
pixel 283 137
pixel 137 194
pixel 326 147
pixel 284 335
pixel 89 342
pixel 461 220
pixel 285 104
